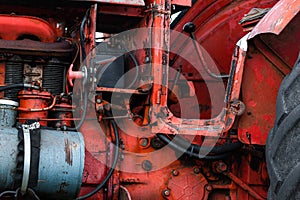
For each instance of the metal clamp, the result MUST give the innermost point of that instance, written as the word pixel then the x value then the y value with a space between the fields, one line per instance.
pixel 27 158
pixel 27 154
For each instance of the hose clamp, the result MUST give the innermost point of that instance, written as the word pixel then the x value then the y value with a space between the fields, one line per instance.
pixel 27 154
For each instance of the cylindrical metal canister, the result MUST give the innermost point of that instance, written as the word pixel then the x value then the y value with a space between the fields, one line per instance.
pixel 33 100
pixel 8 112
pixel 61 163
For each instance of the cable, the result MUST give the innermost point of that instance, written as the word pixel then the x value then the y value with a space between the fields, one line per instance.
pixel 8 193
pixel 81 34
pixel 113 166
pixel 191 153
pixel 215 150
pixel 85 102
pixel 19 85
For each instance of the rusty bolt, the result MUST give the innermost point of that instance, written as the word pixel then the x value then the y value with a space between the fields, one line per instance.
pixel 208 188
pixel 175 172
pixel 166 193
pixel 144 142
pixel 196 170
pixel 147 165
pixel 98 101
pixel 222 167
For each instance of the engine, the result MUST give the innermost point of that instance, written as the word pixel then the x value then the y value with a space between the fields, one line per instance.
pixel 140 112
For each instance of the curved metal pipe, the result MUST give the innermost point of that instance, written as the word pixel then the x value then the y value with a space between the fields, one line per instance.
pixel 15 27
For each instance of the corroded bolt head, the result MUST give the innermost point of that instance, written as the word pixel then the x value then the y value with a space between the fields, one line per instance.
pixel 222 167
pixel 175 172
pixel 196 170
pixel 166 192
pixel 98 101
pixel 208 188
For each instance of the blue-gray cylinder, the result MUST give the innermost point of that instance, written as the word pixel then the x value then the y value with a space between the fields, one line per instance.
pixel 60 167
pixel 8 112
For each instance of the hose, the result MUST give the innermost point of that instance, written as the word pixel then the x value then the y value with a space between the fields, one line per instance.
pixel 190 149
pixel 113 166
pixel 85 102
pixel 19 85
pixel 215 150
pixel 81 34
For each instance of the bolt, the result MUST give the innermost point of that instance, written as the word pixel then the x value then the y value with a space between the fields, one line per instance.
pixel 222 167
pixel 175 172
pixel 147 165
pixel 208 188
pixel 196 170
pixel 208 174
pixel 98 101
pixel 143 142
pixel 166 192
pixel 156 143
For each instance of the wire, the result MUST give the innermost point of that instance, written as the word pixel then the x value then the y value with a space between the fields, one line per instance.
pixel 215 150
pixel 81 34
pixel 191 152
pixel 85 102
pixel 19 85
pixel 40 109
pixel 113 166
pixel 8 193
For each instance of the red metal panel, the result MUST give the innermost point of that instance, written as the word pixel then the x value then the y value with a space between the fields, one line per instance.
pixel 277 18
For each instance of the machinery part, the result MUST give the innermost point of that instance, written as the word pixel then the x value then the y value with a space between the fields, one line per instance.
pixel 21 27
pixel 54 73
pixel 31 100
pixel 19 85
pixel 187 185
pixel 50 75
pixel 223 168
pixel 61 111
pixel 282 152
pixel 13 75
pixel 113 166
pixel 27 158
pixel 61 163
pixel 111 74
pixel 8 112
pixel 185 148
pixel 190 28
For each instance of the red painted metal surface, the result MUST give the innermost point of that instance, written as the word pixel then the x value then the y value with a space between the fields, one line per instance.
pixel 140 173
pixel 277 18
pixel 17 27
pixel 269 60
pixel 31 100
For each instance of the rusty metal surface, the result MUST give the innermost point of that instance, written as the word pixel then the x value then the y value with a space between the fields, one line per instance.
pixel 277 18
pixel 270 59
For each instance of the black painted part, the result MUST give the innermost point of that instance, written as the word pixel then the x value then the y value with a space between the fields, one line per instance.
pixel 112 73
pixel 230 81
pixel 282 147
pixel 13 75
pixel 184 150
